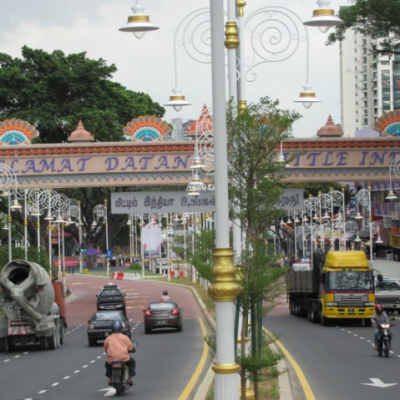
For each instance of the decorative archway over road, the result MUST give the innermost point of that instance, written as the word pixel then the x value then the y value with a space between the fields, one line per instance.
pixel 168 163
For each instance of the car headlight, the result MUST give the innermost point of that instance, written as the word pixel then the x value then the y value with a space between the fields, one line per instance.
pixel 369 304
pixel 331 304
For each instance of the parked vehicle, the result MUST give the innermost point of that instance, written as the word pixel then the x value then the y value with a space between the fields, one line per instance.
pixel 384 339
pixel 111 297
pixel 99 325
pixel 159 315
pixel 32 307
pixel 338 285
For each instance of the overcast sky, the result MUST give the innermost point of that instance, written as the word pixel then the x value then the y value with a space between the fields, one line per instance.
pixel 148 66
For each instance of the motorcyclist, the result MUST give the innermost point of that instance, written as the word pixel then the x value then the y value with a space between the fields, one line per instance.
pixel 117 346
pixel 165 296
pixel 378 318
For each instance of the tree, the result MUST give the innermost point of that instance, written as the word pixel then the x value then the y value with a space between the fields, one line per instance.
pixel 253 137
pixel 54 91
pixel 375 18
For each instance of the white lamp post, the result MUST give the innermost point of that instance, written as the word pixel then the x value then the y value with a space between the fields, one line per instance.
pixel 100 211
pixel 364 198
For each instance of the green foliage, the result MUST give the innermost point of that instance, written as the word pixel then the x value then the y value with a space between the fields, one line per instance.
pixel 253 137
pixel 267 359
pixel 202 259
pixel 135 267
pixel 34 255
pixel 54 91
pixel 375 18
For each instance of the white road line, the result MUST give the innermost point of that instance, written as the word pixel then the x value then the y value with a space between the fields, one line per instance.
pixel 355 334
pixel 42 391
pixel 66 377
pixel 92 361
pixel 361 338
pixel 98 356
pixel 348 331
pixel 17 356
pixel 7 360
pixel 55 383
pixel 84 366
pixel 77 371
pixel 27 352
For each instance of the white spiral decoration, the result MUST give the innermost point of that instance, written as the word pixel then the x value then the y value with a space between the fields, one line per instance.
pixel 275 34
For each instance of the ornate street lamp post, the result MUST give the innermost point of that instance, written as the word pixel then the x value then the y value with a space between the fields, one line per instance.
pixel 100 211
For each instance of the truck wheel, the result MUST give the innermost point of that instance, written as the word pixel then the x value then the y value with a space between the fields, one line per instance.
pixel 309 314
pixel 291 307
pixel 4 345
pixel 324 320
pixel 62 331
pixel 43 344
pixel 367 322
pixel 52 340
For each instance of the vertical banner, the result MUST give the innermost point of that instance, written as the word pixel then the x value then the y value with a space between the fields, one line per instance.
pixel 151 240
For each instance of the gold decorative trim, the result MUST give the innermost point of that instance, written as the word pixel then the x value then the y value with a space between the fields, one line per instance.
pixel 177 98
pixel 231 35
pixel 227 368
pixel 249 393
pixel 323 12
pixel 307 94
pixel 240 5
pixel 138 18
pixel 224 287
pixel 242 106
pixel 239 340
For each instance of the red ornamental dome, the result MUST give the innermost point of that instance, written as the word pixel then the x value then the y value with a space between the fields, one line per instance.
pixel 81 134
pixel 330 129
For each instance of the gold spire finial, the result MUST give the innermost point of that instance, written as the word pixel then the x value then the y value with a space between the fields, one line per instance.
pixel 240 5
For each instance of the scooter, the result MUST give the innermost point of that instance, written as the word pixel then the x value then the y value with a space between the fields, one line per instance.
pixel 384 338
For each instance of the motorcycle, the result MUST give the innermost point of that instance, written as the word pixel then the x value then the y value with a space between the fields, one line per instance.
pixel 384 338
pixel 120 376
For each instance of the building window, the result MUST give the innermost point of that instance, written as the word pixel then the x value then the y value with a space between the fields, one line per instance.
pixel 365 121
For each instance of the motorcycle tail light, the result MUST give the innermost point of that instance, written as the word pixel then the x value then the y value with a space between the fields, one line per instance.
pixel 91 326
pixel 175 311
pixel 123 324
pixel 147 313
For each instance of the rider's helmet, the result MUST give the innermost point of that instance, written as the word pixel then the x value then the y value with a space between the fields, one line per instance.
pixel 165 293
pixel 379 308
pixel 116 326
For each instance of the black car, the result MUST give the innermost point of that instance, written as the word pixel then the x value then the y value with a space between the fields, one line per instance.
pixel 162 315
pixel 99 326
pixel 111 297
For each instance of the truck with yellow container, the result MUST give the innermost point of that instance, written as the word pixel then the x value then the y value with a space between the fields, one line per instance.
pixel 338 285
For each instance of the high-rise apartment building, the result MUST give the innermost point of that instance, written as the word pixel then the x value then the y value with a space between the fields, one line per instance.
pixel 369 86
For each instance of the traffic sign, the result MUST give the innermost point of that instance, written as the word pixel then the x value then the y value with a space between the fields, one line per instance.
pixel 109 253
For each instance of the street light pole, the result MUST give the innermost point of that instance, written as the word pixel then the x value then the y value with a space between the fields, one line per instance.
pixel 224 290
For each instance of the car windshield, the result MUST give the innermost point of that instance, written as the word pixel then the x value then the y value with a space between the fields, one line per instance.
pixel 162 306
pixel 110 292
pixel 349 280
pixel 108 315
pixel 387 285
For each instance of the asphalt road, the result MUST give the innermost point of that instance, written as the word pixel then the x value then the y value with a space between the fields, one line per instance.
pixel 338 361
pixel 166 360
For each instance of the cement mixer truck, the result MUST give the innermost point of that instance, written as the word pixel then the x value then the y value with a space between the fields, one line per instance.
pixel 32 307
